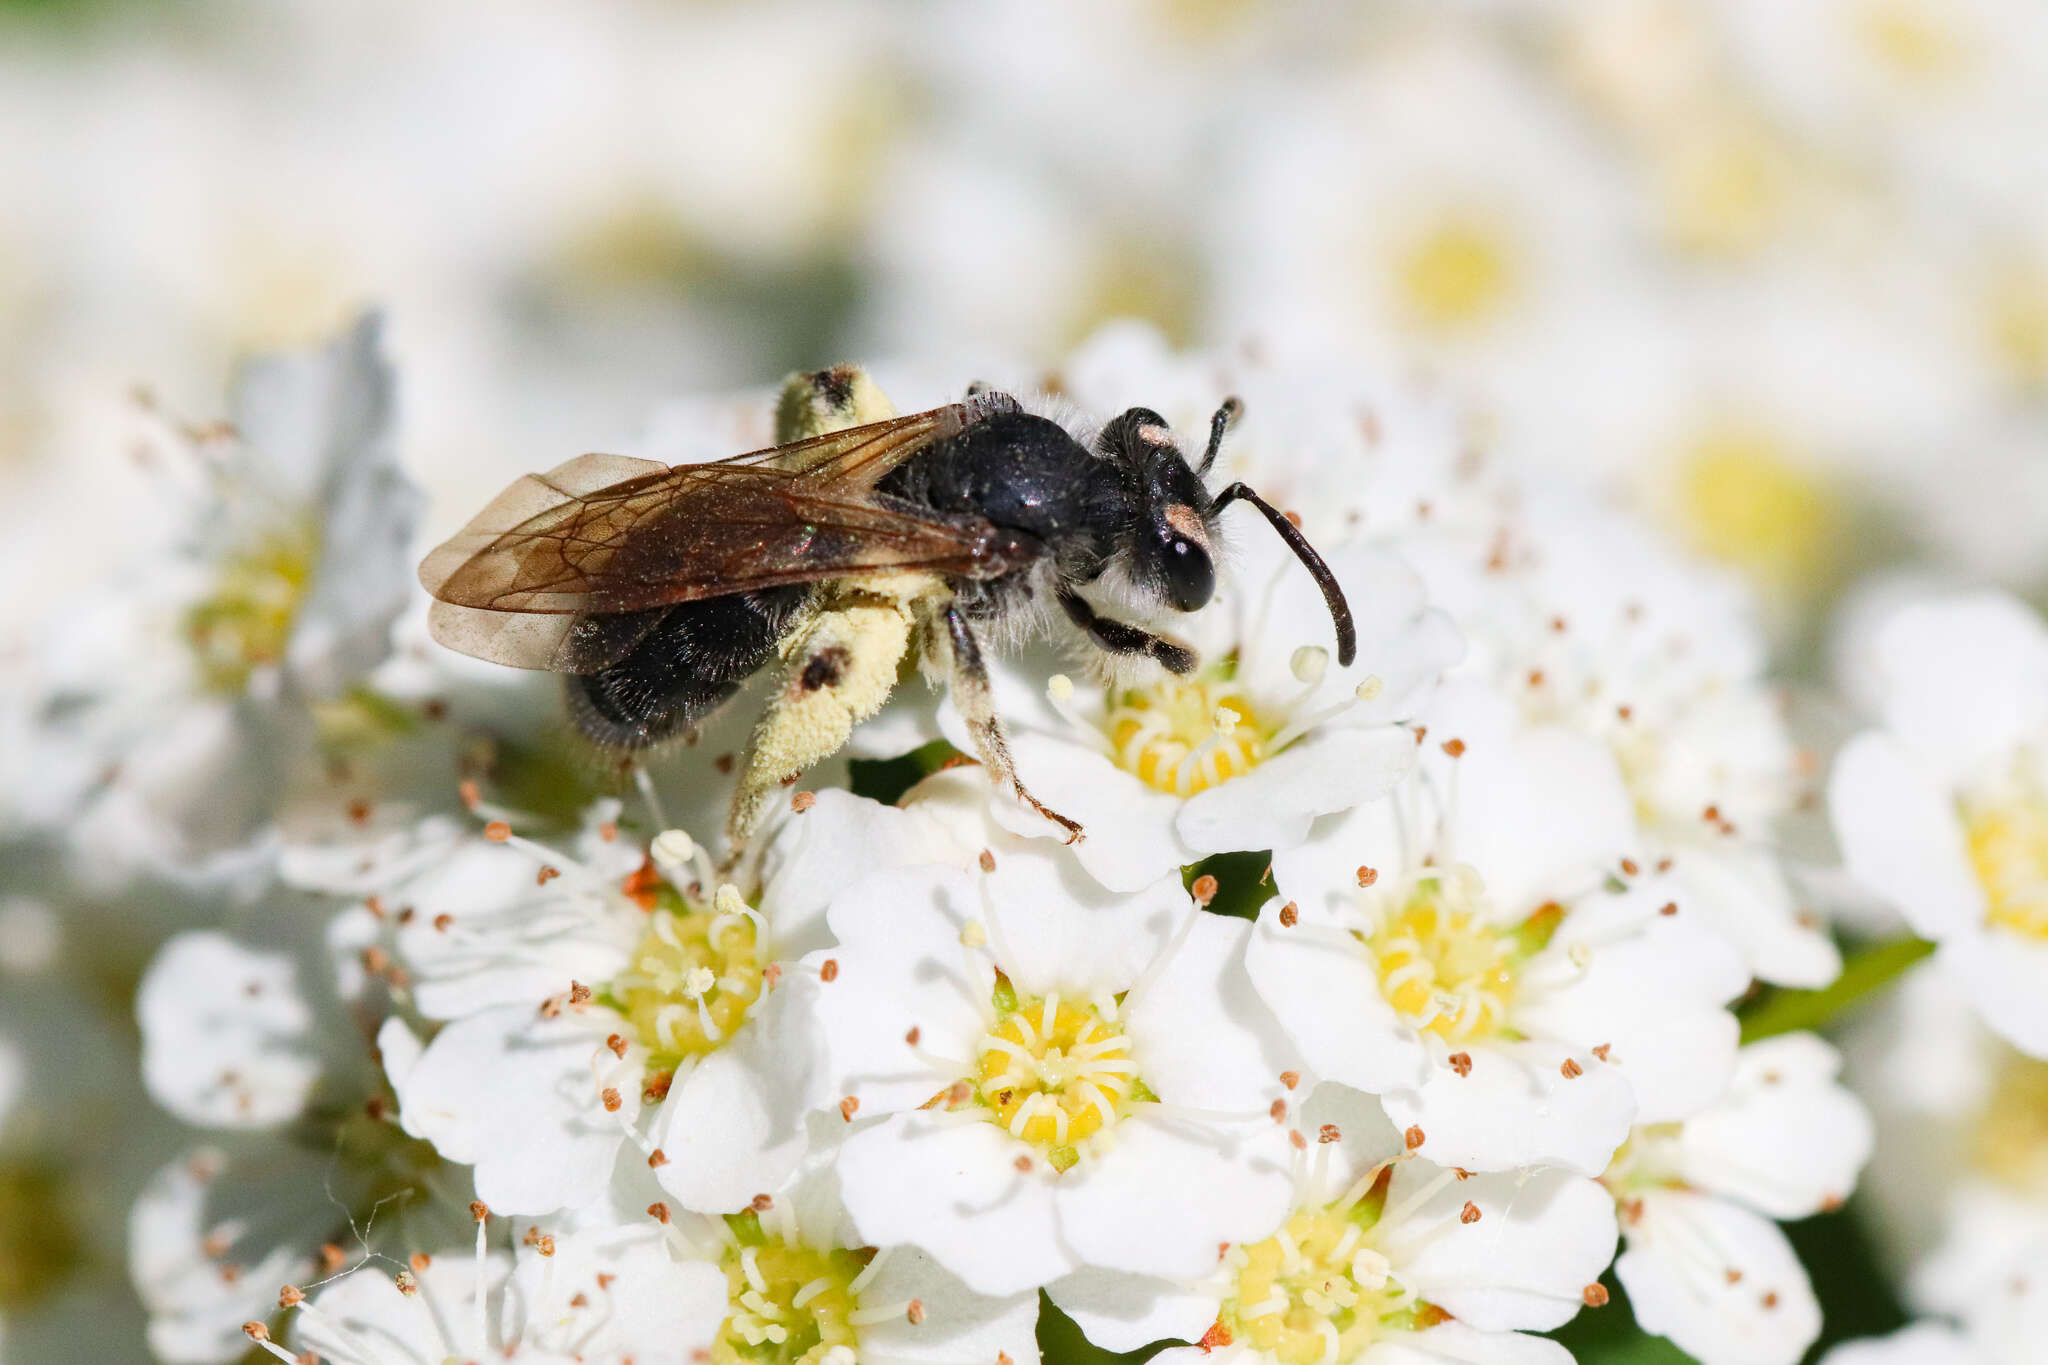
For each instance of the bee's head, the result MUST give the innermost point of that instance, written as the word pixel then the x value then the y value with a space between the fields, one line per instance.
pixel 1172 548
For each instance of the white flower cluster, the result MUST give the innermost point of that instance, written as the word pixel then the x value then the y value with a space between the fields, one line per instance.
pixel 1379 1007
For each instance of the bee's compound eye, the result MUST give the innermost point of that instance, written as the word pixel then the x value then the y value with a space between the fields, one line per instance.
pixel 1189 573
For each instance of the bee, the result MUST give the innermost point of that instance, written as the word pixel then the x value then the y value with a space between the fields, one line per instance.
pixel 832 559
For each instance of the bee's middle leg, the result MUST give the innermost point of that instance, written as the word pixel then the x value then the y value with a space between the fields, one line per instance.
pixel 976 701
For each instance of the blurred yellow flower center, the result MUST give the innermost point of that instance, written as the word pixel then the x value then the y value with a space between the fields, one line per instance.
pixel 1455 276
pixel 2016 301
pixel 1054 1073
pixel 247 622
pixel 788 1305
pixel 1317 1292
pixel 2010 1138
pixel 2009 849
pixel 691 981
pixel 1139 277
pixel 1910 40
pixel 1743 500
pixel 1721 190
pixel 1445 966
pixel 1183 736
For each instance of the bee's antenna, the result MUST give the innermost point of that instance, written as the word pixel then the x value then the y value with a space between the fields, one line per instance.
pixel 1225 418
pixel 1333 595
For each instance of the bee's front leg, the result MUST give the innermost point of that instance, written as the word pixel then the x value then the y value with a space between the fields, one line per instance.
pixel 976 701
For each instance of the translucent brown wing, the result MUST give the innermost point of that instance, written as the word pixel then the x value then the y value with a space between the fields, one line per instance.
pixel 604 534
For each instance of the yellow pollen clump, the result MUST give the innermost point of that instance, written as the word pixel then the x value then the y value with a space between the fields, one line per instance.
pixel 1455 276
pixel 1054 1073
pixel 690 981
pixel 787 1305
pixel 1742 499
pixel 1183 736
pixel 2008 846
pixel 1317 1292
pixel 247 622
pixel 2016 318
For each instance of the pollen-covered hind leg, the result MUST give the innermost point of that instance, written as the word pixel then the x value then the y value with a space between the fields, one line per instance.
pixel 836 670
pixel 976 701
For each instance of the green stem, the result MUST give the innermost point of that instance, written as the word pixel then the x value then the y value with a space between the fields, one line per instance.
pixel 1863 974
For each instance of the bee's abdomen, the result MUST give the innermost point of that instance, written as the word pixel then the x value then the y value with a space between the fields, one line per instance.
pixel 693 659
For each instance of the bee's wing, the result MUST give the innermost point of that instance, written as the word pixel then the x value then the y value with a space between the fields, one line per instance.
pixel 580 541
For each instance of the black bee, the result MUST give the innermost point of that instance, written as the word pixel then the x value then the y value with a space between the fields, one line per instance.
pixel 661 589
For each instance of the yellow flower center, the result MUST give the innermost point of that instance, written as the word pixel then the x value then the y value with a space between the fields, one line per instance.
pixel 1455 276
pixel 1721 189
pixel 1143 277
pixel 1317 1292
pixel 788 1305
pixel 1445 966
pixel 691 980
pixel 1185 735
pixel 1743 500
pixel 2010 1138
pixel 2016 304
pixel 1054 1073
pixel 1911 42
pixel 247 622
pixel 2008 846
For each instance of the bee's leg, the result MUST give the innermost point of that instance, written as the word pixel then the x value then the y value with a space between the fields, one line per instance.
pixel 1120 637
pixel 976 700
pixel 836 670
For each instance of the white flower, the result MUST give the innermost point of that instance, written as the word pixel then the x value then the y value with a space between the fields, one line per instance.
pixel 1381 1258
pixel 626 997
pixel 1268 734
pixel 1591 623
pixel 1051 1070
pixel 1922 1343
pixel 1943 810
pixel 1482 947
pixel 1705 1264
pixel 229 1037
pixel 175 705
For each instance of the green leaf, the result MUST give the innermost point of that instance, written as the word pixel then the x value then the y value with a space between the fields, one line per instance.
pixel 1060 1341
pixel 886 779
pixel 1863 975
pixel 1244 882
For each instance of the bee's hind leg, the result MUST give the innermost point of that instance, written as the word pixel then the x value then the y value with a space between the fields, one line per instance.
pixel 976 701
pixel 836 669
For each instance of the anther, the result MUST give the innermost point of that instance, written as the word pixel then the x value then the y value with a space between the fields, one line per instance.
pixel 1668 908
pixel 1601 1050
pixel 803 801
pixel 658 1211
pixel 828 970
pixel 546 1245
pixel 848 1107
pixel 1023 1165
pixel 290 1296
pixel 656 1159
pixel 332 1258
pixel 1296 1140
pixel 420 1261
pixel 408 1284
pixel 617 1043
pixel 761 1203
pixel 1461 1062
pixel 1595 1295
pixel 479 1210
pixel 443 921
pixel 988 861
pixel 1204 889
pixel 1290 1079
pixel 472 795
pixel 579 994
pixel 1278 1111
pixel 1455 748
pixel 497 831
pixel 1328 1133
pixel 1413 1137
pixel 1469 1214
pixel 1572 1069
pixel 1290 915
pixel 1629 868
pixel 912 1036
pixel 1367 876
pixel 915 1312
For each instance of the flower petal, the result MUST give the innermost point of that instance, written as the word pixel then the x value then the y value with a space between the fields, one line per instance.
pixel 1516 1107
pixel 1720 1281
